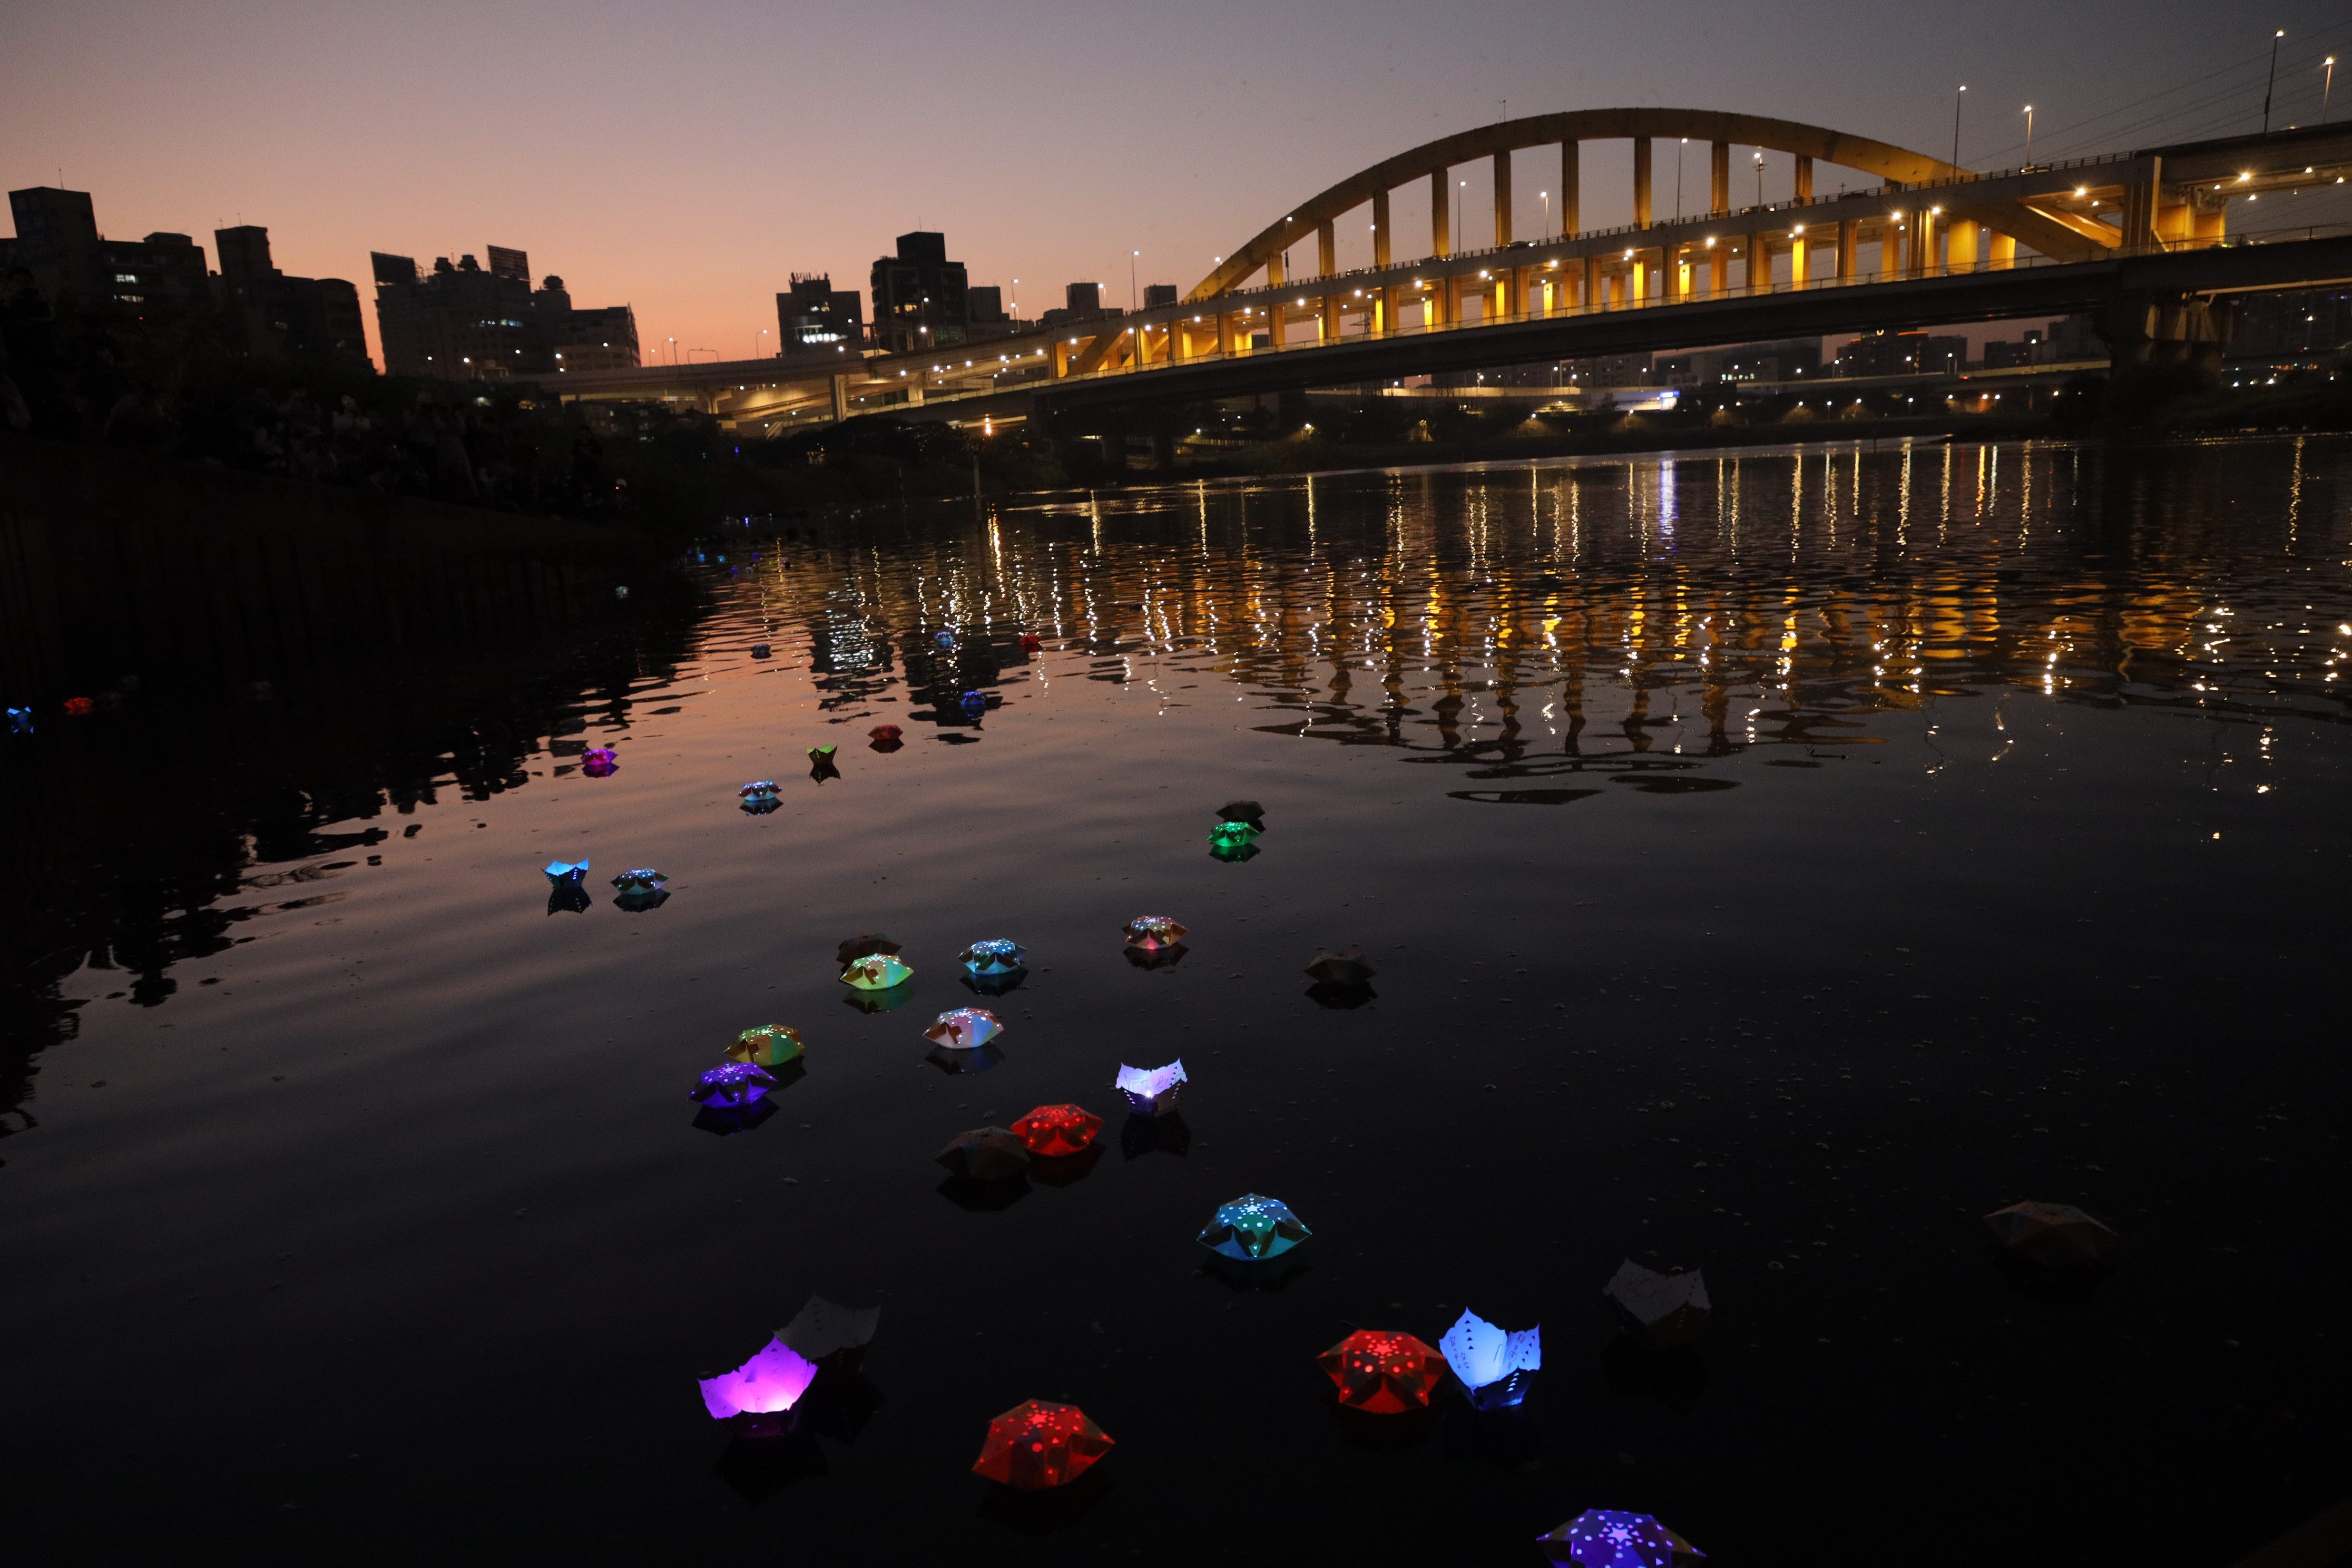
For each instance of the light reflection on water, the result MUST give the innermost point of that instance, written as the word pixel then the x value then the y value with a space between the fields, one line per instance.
pixel 1929 828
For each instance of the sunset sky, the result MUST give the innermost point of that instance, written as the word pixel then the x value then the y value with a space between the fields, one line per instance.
pixel 686 157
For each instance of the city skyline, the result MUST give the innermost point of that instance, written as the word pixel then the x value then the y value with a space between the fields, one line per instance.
pixel 699 229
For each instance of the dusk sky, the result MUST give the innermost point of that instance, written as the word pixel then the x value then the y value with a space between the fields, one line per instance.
pixel 686 157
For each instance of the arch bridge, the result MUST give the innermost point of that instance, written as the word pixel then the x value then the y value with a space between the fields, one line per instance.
pixel 1918 224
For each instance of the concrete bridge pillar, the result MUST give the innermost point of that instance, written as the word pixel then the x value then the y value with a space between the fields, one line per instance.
pixel 1759 263
pixel 1326 249
pixel 1642 156
pixel 1639 288
pixel 1440 213
pixel 1799 259
pixel 1502 198
pixel 1591 296
pixel 1571 179
pixel 1960 249
pixel 1380 228
pixel 2141 197
pixel 1804 178
pixel 1719 270
pixel 1718 177
pixel 2003 252
pixel 1849 239
pixel 1274 270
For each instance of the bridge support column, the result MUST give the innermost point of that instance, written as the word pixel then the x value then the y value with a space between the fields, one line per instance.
pixel 1639 287
pixel 2141 196
pixel 1718 177
pixel 1385 320
pixel 1441 215
pixel 1380 228
pixel 1642 156
pixel 1719 268
pixel 1225 333
pixel 1591 296
pixel 1800 257
pixel 1571 185
pixel 1805 177
pixel 1326 250
pixel 841 396
pixel 1329 320
pixel 2003 252
pixel 1759 264
pixel 1923 242
pixel 1960 251
pixel 1274 270
pixel 1849 237
pixel 1502 198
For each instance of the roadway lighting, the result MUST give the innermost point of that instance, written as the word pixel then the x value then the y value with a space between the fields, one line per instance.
pixel 2029 135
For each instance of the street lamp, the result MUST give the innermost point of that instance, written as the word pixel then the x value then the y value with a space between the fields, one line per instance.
pixel 2327 89
pixel 2272 82
pixel 1132 298
pixel 1546 195
pixel 2029 136
pixel 1957 98
pixel 1760 176
pixel 1678 178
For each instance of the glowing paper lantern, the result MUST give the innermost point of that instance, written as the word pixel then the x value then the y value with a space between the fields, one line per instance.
pixel 1666 1309
pixel 1233 835
pixel 985 1154
pixel 1054 1130
pixel 769 1385
pixel 1609 1537
pixel 1151 1092
pixel 639 879
pixel 1252 1227
pixel 992 955
pixel 1493 1364
pixel 1234 854
pixel 760 651
pixel 1030 642
pixel 884 738
pixel 1037 1444
pixel 964 1028
pixel 769 1046
pixel 829 1334
pixel 734 1084
pixel 973 703
pixel 943 639
pixel 20 721
pixel 598 761
pixel 821 763
pixel 1382 1373
pixel 2058 1234
pixel 1153 934
pixel 876 972
pixel 759 796
pixel 561 872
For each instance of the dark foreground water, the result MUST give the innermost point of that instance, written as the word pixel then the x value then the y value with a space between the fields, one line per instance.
pixel 1829 850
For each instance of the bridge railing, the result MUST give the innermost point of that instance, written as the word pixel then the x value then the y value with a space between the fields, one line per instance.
pixel 1614 308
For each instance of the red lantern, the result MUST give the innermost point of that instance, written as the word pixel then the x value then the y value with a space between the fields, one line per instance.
pixel 1383 1371
pixel 1055 1130
pixel 1038 1443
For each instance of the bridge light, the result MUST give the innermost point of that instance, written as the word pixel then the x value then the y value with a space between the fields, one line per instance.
pixel 1710 245
pixel 1799 228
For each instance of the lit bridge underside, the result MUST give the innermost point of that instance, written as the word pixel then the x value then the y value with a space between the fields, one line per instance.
pixel 1942 244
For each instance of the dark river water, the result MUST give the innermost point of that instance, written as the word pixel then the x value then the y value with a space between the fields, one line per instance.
pixel 1770 864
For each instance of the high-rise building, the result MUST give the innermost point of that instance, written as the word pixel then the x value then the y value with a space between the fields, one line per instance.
pixel 919 296
pixel 814 317
pixel 460 322
pixel 281 315
pixel 1159 294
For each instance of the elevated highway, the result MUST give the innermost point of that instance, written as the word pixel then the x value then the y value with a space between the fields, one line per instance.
pixel 2142 236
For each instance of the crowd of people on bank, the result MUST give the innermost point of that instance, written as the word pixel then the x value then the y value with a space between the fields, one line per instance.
pixel 72 380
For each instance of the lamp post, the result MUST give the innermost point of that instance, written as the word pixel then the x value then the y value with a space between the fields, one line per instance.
pixel 1760 176
pixel 1131 296
pixel 2029 136
pixel 2272 84
pixel 1957 101
pixel 1679 149
pixel 2327 89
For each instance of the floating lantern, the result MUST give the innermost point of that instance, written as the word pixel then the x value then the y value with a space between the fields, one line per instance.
pixel 1665 1309
pixel 759 795
pixel 973 703
pixel 1054 1131
pixel 943 639
pixel 985 1154
pixel 876 972
pixel 1234 854
pixel 1233 835
pixel 1254 1228
pixel 561 872
pixel 884 738
pixel 598 761
pixel 1610 1538
pixel 964 1028
pixel 1153 934
pixel 1382 1373
pixel 1493 1364
pixel 1036 1444
pixel 830 1335
pixel 20 721
pixel 77 706
pixel 821 763
pixel 759 1395
pixel 641 889
pixel 769 1046
pixel 1151 1092
pixel 1030 642
pixel 992 955
pixel 759 650
pixel 733 1084
pixel 2057 1235
pixel 1345 967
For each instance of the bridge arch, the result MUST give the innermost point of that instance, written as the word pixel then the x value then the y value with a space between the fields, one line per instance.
pixel 1566 131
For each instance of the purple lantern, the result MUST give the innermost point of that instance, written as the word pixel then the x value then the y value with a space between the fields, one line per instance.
pixel 734 1084
pixel 1610 1538
pixel 760 1395
pixel 597 762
